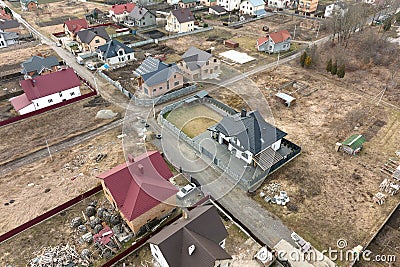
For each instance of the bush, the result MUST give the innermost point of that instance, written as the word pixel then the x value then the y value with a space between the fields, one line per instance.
pixel 329 65
pixel 308 61
pixel 341 71
pixel 205 25
pixel 334 68
pixel 387 24
pixel 303 59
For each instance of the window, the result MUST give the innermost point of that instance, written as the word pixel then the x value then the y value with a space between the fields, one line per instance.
pixel 174 76
pixel 50 100
pixel 60 94
pixel 156 89
pixel 207 63
pixel 160 88
pixel 146 91
pixel 72 93
pixel 176 83
pixel 128 57
pixel 215 60
pixel 37 104
pixel 144 23
pixel 97 41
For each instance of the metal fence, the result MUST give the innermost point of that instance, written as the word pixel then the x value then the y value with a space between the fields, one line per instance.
pixel 185 34
pixel 221 105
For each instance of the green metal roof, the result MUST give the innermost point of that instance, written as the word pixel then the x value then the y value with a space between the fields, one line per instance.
pixel 355 141
pixel 189 1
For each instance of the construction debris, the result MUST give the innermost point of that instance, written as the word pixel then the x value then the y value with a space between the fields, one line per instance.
pixel 105 114
pixel 58 256
pixel 76 222
pixel 100 157
pixel 379 198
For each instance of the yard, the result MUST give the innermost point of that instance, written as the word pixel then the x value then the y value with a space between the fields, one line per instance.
pixel 193 119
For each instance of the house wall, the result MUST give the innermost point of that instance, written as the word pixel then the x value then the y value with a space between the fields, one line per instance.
pixel 158 256
pixel 96 42
pixel 271 47
pixel 147 20
pixel 246 156
pixel 187 5
pixel 208 3
pixel 119 17
pixel 162 88
pixel 31 6
pixel 277 145
pixel 173 2
pixel 56 98
pixel 308 6
pixel 278 3
pixel 173 25
pixel 3 42
pixel 210 70
pixel 27 109
pixel 229 5
pixel 222 263
pixel 118 59
pixel 247 8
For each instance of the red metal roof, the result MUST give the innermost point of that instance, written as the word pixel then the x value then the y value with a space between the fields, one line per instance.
pixel 4 16
pixel 120 9
pixel 75 25
pixel 279 37
pixel 262 40
pixel 136 191
pixel 51 83
pixel 19 102
pixel 103 239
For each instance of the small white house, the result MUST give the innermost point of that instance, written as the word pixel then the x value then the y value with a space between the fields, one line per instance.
pixel 114 52
pixel 229 5
pixel 252 7
pixel 338 8
pixel 47 90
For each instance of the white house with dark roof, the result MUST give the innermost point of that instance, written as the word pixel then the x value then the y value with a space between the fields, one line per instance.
pixel 8 38
pixel 197 64
pixel 217 10
pixel 114 52
pixel 180 20
pixel 37 65
pixel 141 17
pixel 195 240
pixel 252 7
pixel 229 5
pixel 90 39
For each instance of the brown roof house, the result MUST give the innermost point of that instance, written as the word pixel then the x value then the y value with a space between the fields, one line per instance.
pixel 29 5
pixel 275 42
pixel 196 240
pixel 91 39
pixel 140 189
pixel 199 65
pixel 71 27
pixel 180 20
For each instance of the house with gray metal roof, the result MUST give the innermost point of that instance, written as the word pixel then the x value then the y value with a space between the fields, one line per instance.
pixel 114 52
pixel 197 64
pixel 9 25
pixel 196 240
pixel 90 39
pixel 180 20
pixel 141 17
pixel 8 38
pixel 156 78
pixel 37 65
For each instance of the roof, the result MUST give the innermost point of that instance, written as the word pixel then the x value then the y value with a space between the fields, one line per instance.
pixel 9 35
pixel 355 141
pixel 195 58
pixel 280 36
pixel 51 83
pixel 139 12
pixel 75 25
pixel 255 3
pixel 154 71
pixel 218 9
pixel 253 132
pixel 104 236
pixel 137 192
pixel 4 15
pixel 286 97
pixel 203 229
pixel 110 49
pixel 262 40
pixel 19 102
pixel 121 8
pixel 38 64
pixel 188 1
pixel 26 2
pixel 87 35
pixel 183 15
pixel 260 12
pixel 9 24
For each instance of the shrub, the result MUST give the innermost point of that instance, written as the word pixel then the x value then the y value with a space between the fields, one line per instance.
pixel 334 68
pixel 329 65
pixel 341 71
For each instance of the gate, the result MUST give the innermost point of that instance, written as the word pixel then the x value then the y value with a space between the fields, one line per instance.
pixel 207 153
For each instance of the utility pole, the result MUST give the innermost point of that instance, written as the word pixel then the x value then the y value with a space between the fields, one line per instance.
pixel 294 33
pixel 319 25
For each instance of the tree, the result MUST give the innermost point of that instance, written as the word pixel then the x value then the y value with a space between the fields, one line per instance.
pixel 387 24
pixel 8 11
pixel 329 65
pixel 95 14
pixel 308 61
pixel 334 68
pixel 341 71
pixel 303 58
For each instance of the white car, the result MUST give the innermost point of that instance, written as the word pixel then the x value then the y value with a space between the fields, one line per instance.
pixel 90 66
pixel 184 191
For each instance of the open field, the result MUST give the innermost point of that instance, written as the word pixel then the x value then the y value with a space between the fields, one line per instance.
pixel 27 184
pixel 331 193
pixel 194 119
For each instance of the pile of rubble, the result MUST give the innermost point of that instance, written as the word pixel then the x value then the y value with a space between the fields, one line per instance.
pixel 60 256
pixel 76 163
pixel 272 193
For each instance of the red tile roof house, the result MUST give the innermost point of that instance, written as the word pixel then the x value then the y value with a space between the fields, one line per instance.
pixel 44 91
pixel 119 13
pixel 140 189
pixel 71 27
pixel 275 42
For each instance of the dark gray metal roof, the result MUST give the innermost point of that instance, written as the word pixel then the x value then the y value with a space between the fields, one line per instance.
pixel 203 229
pixel 38 64
pixel 218 9
pixel 183 15
pixel 9 35
pixel 110 49
pixel 138 12
pixel 195 58
pixel 253 132
pixel 9 24
pixel 87 35
pixel 153 71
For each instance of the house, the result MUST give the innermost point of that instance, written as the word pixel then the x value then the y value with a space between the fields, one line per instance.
pixel 37 65
pixel 72 27
pixel 140 189
pixel 46 90
pixel 180 20
pixel 229 5
pixel 353 144
pixel 10 26
pixel 8 38
pixel 114 52
pixel 217 10
pixel 307 6
pixel 119 13
pixel 90 39
pixel 29 5
pixel 252 7
pixel 247 135
pixel 335 8
pixel 187 3
pixel 95 14
pixel 278 4
pixel 208 2
pixel 197 64
pixel 275 42
pixel 141 17
pixel 172 2
pixel 196 240
pixel 157 78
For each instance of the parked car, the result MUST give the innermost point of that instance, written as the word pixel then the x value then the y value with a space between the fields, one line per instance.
pixel 186 190
pixel 158 136
pixel 90 66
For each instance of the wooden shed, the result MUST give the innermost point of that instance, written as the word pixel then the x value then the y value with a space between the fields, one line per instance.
pixel 231 44
pixel 353 144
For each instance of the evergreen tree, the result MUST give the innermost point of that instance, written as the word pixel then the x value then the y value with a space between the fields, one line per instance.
pixel 303 59
pixel 387 24
pixel 334 68
pixel 329 65
pixel 341 71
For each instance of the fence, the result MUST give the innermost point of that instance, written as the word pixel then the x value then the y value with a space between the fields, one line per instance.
pixel 233 24
pixel 49 214
pixel 20 46
pixel 221 106
pixel 185 34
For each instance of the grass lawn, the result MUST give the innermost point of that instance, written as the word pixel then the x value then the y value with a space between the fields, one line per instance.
pixel 194 119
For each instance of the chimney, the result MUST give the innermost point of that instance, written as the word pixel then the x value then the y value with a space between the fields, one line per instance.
pixel 185 213
pixel 243 113
pixel 140 167
pixel 33 82
pixel 191 249
pixel 131 159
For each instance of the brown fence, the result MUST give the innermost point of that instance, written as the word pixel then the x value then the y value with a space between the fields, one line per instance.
pixel 49 214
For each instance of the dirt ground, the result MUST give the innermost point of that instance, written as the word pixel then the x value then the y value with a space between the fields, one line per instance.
pixel 331 193
pixel 27 185
pixel 31 134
